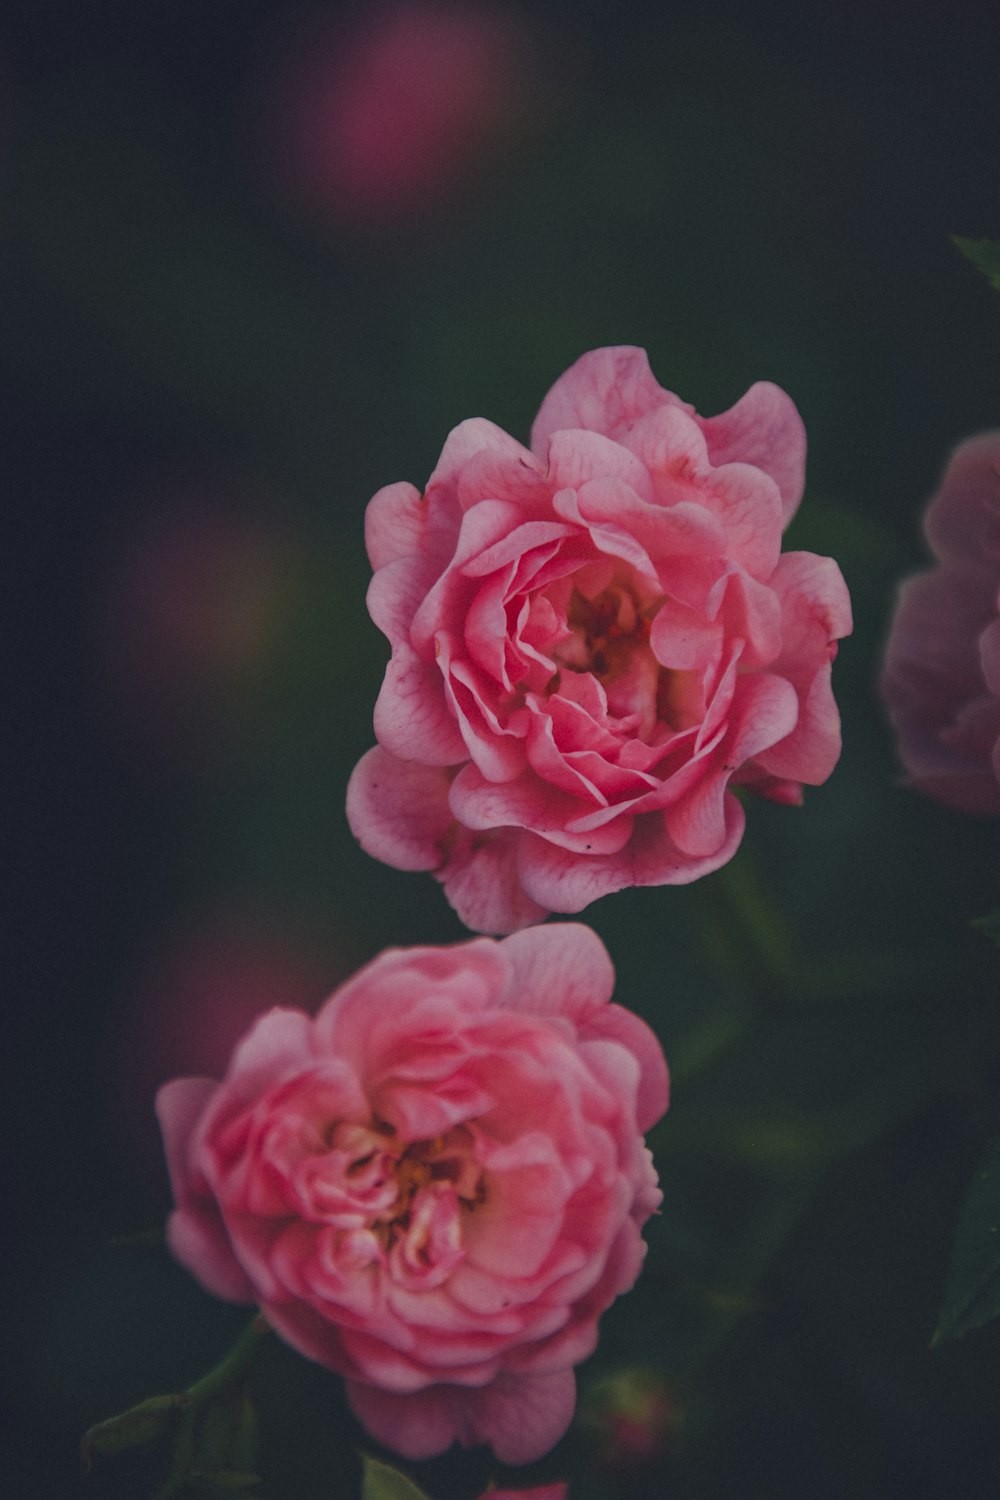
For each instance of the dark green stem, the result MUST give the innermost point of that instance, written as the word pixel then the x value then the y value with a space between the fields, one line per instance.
pixel 752 931
pixel 232 1365
pixel 222 1377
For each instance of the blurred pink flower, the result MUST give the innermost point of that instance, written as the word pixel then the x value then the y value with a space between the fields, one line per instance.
pixel 631 1415
pixel 434 1188
pixel 557 1491
pixel 592 641
pixel 377 118
pixel 941 675
pixel 190 613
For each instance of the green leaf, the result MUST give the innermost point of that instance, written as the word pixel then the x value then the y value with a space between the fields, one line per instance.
pixel 228 1482
pixel 140 1424
pixel 972 1296
pixel 380 1482
pixel 989 926
pixel 984 254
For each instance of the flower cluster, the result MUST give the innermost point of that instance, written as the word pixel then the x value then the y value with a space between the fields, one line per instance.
pixel 593 641
pixel 436 1186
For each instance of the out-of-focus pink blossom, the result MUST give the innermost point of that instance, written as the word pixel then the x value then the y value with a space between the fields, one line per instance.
pixel 376 119
pixel 631 1415
pixel 191 612
pixel 941 676
pixel 436 1187
pixel 592 641
pixel 557 1491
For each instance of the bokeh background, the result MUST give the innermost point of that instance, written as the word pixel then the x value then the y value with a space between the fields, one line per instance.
pixel 256 260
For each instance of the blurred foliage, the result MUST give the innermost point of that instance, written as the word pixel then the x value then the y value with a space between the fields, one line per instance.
pixel 985 254
pixel 973 1292
pixel 749 195
pixel 381 1482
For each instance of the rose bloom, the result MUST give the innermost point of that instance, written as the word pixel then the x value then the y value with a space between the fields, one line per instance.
pixel 592 641
pixel 436 1186
pixel 941 677
pixel 380 118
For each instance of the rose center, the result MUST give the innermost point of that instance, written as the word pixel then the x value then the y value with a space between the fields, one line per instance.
pixel 446 1162
pixel 603 632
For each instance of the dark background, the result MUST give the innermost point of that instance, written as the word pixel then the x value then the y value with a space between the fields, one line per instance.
pixel 205 375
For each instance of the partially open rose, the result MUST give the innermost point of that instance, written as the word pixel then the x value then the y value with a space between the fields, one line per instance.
pixel 436 1186
pixel 592 641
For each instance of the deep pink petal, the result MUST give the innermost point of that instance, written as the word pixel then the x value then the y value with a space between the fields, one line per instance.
pixel 575 458
pixel 412 717
pixel 615 1023
pixel 180 1105
pixel 607 391
pixel 810 752
pixel 525 802
pixel 278 1042
pixel 764 429
pixel 562 968
pixel 669 441
pixel 685 528
pixel 418 1425
pixel 520 1416
pixel 764 711
pixel 394 523
pixel 815 609
pixel 683 639
pixel 398 810
pixel 748 503
pixel 481 883
pixel 198 1239
pixel 564 882
pixel 511 545
pixel 496 747
pixel 470 441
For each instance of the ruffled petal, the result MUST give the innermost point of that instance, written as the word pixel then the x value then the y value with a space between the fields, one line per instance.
pixel 606 390
pixel 962 522
pixel 563 882
pixel 764 429
pixel 398 810
pixel 412 718
pixel 560 969
pixel 481 882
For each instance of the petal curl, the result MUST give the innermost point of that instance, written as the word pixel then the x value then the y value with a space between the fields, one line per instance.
pixel 562 969
pixel 764 429
pixel 606 390
pixel 398 810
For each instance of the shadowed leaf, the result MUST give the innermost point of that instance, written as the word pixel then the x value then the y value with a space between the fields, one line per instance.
pixel 972 1296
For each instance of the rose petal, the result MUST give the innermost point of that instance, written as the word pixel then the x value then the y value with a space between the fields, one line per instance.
pixel 398 810
pixel 962 522
pixel 412 718
pixel 481 883
pixel 764 429
pixel 607 391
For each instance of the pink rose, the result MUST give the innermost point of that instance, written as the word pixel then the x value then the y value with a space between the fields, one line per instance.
pixel 436 1186
pixel 591 642
pixel 941 678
